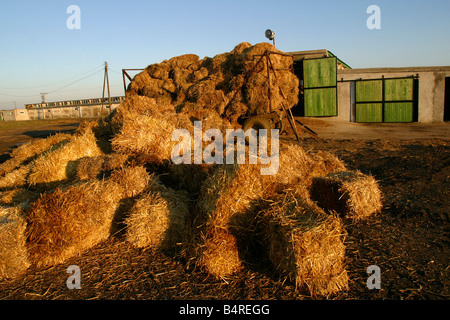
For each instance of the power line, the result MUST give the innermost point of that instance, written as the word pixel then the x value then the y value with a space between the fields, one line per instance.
pixel 115 71
pixel 19 96
pixel 75 81
pixel 65 86
pixel 100 67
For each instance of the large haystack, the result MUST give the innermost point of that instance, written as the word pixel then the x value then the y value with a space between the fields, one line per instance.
pixel 174 93
pixel 305 244
pixel 224 84
pixel 13 253
pixel 352 194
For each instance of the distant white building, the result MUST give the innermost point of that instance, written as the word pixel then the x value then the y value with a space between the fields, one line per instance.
pixel 86 108
pixel 14 115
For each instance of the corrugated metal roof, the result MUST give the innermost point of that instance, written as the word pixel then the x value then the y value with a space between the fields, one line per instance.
pixel 314 54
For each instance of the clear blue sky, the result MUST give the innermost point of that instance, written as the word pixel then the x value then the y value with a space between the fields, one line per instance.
pixel 38 53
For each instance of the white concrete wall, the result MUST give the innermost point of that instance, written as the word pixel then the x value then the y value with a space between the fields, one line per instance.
pixel 69 112
pixel 15 115
pixel 21 114
pixel 431 89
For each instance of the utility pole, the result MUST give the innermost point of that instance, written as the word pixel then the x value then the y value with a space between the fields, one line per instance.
pixel 106 82
pixel 43 94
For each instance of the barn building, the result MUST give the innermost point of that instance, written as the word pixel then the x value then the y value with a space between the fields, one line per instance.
pixel 331 88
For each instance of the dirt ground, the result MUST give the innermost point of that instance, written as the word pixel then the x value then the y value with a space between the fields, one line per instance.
pixel 14 133
pixel 409 240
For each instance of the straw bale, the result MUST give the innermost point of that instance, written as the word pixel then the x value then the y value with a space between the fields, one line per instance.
pixel 89 168
pixel 183 62
pixel 28 151
pixel 135 106
pixel 326 163
pixel 86 127
pixel 351 194
pixel 16 177
pixel 229 191
pixel 296 166
pixel 68 221
pixel 13 252
pixel 114 161
pixel 147 137
pixel 158 218
pixel 220 255
pixel 133 180
pixel 305 244
pixel 60 164
pixel 189 177
pixel 102 131
pixel 18 197
pixel 143 129
pixel 158 72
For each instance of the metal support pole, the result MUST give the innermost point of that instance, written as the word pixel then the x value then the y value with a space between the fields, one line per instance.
pixel 103 95
pixel 268 80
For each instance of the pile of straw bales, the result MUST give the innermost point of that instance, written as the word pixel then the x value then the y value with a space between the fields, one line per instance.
pixel 62 195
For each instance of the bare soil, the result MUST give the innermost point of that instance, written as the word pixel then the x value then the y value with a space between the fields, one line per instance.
pixel 409 240
pixel 15 133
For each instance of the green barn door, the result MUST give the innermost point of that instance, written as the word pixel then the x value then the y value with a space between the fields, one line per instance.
pixel 398 96
pixel 369 101
pixel 319 84
pixel 385 100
